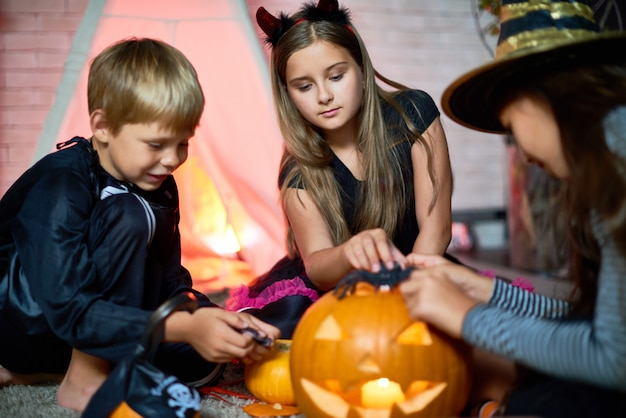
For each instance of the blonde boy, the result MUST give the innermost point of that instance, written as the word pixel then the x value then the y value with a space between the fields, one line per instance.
pixel 89 239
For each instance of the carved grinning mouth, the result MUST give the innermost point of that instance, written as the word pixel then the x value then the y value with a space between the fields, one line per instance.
pixel 336 403
pixel 336 398
pixel 362 356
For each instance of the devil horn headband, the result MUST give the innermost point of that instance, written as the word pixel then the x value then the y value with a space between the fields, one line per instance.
pixel 275 27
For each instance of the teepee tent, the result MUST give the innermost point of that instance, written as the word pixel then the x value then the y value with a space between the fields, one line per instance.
pixel 231 224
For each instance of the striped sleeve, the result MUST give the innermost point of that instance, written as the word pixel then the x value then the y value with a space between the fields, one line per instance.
pixel 522 302
pixel 528 329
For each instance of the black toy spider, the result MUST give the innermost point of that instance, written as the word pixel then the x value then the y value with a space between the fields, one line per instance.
pixel 384 277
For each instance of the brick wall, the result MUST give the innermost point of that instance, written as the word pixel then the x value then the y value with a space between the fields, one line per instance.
pixel 427 44
pixel 422 43
pixel 35 38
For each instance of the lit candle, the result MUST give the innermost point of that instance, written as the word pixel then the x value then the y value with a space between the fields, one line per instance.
pixel 381 394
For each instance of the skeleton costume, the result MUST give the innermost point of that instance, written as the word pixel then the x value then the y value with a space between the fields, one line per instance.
pixel 84 260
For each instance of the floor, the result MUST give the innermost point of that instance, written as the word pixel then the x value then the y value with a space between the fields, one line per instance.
pixel 40 401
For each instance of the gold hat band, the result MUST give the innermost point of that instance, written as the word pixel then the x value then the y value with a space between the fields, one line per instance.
pixel 557 10
pixel 536 37
pixel 541 39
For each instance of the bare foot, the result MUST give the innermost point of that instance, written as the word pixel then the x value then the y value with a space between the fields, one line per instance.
pixel 84 376
pixel 9 378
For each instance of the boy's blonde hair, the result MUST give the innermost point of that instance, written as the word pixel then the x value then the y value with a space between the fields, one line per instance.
pixel 143 81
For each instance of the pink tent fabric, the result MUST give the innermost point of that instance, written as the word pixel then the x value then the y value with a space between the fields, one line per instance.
pixel 229 184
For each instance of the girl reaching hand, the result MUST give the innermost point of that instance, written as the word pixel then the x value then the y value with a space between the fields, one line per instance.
pixel 365 176
pixel 558 85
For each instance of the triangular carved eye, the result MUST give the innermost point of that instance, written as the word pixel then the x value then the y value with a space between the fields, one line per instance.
pixel 344 349
pixel 330 330
pixel 416 334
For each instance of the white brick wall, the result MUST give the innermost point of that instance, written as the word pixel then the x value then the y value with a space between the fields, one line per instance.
pixel 35 37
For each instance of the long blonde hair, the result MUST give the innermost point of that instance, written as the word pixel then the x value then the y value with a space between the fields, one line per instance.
pixel 307 156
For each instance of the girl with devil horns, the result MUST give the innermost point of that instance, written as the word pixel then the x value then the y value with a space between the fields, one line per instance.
pixel 365 177
pixel 558 85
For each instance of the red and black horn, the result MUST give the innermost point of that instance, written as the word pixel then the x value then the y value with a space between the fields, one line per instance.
pixel 275 27
pixel 328 10
pixel 328 6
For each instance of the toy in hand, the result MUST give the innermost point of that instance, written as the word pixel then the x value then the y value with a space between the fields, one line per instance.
pixel 264 341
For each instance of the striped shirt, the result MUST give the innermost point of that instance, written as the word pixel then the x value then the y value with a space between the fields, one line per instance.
pixel 534 330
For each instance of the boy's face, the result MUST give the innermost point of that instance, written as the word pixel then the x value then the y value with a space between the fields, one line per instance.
pixel 142 154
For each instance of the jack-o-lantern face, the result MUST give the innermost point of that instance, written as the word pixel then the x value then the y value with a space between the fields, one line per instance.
pixel 342 349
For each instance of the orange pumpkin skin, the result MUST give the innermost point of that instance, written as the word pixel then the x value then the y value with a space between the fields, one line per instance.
pixel 123 410
pixel 269 379
pixel 339 345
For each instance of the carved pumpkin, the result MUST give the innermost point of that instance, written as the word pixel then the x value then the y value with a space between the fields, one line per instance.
pixel 363 356
pixel 269 379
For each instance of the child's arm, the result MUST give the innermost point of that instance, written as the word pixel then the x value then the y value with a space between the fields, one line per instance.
pixel 524 303
pixel 435 223
pixel 587 349
pixel 326 263
pixel 495 292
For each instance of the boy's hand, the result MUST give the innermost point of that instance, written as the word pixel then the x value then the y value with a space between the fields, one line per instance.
pixel 256 336
pixel 216 334
pixel 264 331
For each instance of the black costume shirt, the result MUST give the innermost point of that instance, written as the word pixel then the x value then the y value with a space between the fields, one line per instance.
pixel 410 101
pixel 49 282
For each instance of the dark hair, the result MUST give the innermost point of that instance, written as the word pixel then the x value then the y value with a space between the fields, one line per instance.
pixel 581 98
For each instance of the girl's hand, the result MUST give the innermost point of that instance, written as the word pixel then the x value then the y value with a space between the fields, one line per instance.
pixel 475 285
pixel 371 248
pixel 431 296
pixel 425 261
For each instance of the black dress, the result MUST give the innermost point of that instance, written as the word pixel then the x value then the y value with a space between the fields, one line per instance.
pixel 281 295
